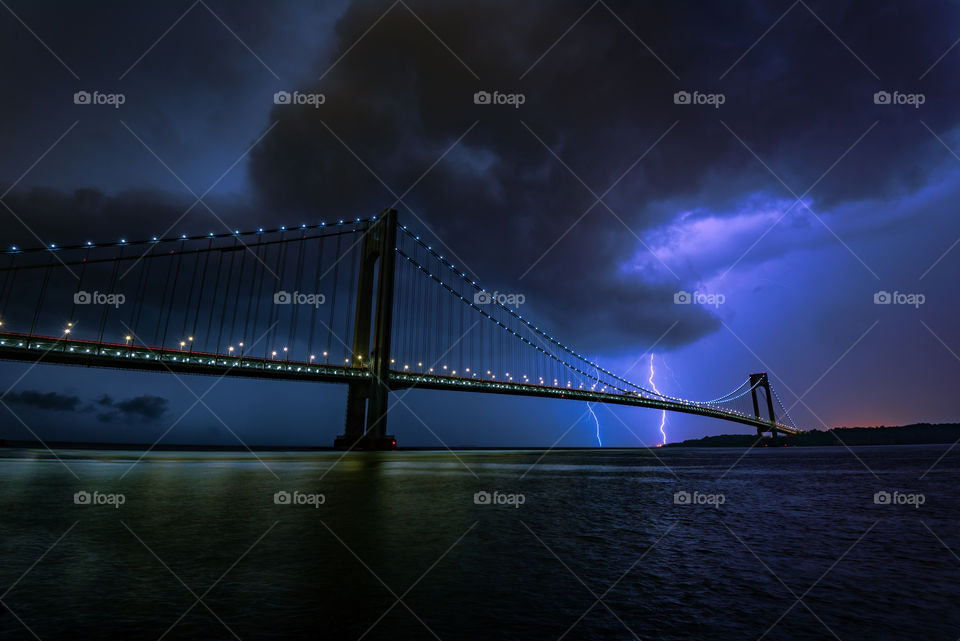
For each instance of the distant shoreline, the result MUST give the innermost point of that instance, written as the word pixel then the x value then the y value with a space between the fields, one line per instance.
pixel 916 434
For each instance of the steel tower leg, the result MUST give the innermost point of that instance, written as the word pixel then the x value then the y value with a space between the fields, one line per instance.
pixel 762 381
pixel 365 427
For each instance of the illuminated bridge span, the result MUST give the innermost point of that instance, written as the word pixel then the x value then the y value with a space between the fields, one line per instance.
pixel 363 302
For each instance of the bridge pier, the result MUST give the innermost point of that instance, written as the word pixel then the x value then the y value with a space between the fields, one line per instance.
pixel 365 427
pixel 761 381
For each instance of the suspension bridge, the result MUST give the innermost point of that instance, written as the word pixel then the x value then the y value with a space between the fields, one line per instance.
pixel 362 302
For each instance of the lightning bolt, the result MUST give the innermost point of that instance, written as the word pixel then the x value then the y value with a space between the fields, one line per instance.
pixel 663 415
pixel 597 421
pixel 590 409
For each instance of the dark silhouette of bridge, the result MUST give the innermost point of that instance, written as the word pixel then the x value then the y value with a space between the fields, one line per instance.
pixel 364 302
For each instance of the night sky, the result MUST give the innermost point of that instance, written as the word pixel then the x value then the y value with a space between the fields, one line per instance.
pixel 602 195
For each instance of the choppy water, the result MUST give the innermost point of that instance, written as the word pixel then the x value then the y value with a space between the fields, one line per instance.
pixel 794 523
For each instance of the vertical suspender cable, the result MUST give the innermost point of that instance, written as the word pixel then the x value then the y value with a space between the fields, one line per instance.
pixel 43 292
pixel 113 283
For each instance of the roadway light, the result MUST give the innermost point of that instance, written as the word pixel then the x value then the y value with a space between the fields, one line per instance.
pixel 272 354
pixel 128 338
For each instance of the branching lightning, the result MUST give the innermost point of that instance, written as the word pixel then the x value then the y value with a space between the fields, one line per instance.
pixel 663 415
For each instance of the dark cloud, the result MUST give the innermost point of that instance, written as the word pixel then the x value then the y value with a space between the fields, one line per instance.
pixel 599 99
pixel 142 408
pixel 56 215
pixel 52 401
pixel 499 203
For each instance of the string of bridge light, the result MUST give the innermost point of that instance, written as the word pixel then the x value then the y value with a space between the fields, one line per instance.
pixel 782 407
pixel 53 247
pixel 570 366
pixel 724 399
pixel 478 288
pixel 323 224
pixel 731 393
pixel 510 330
pixel 111 350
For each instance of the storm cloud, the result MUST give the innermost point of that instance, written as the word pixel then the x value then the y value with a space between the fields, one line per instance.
pixel 52 401
pixel 141 408
pixel 818 179
pixel 599 113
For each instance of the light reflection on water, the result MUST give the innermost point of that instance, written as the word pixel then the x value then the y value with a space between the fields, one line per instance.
pixel 298 571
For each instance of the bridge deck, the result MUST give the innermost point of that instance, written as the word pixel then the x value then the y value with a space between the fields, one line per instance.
pixel 52 349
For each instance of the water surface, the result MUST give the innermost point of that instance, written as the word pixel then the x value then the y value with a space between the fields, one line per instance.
pixel 786 543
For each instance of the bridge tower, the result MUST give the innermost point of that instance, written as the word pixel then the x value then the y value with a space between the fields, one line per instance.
pixel 366 420
pixel 760 381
